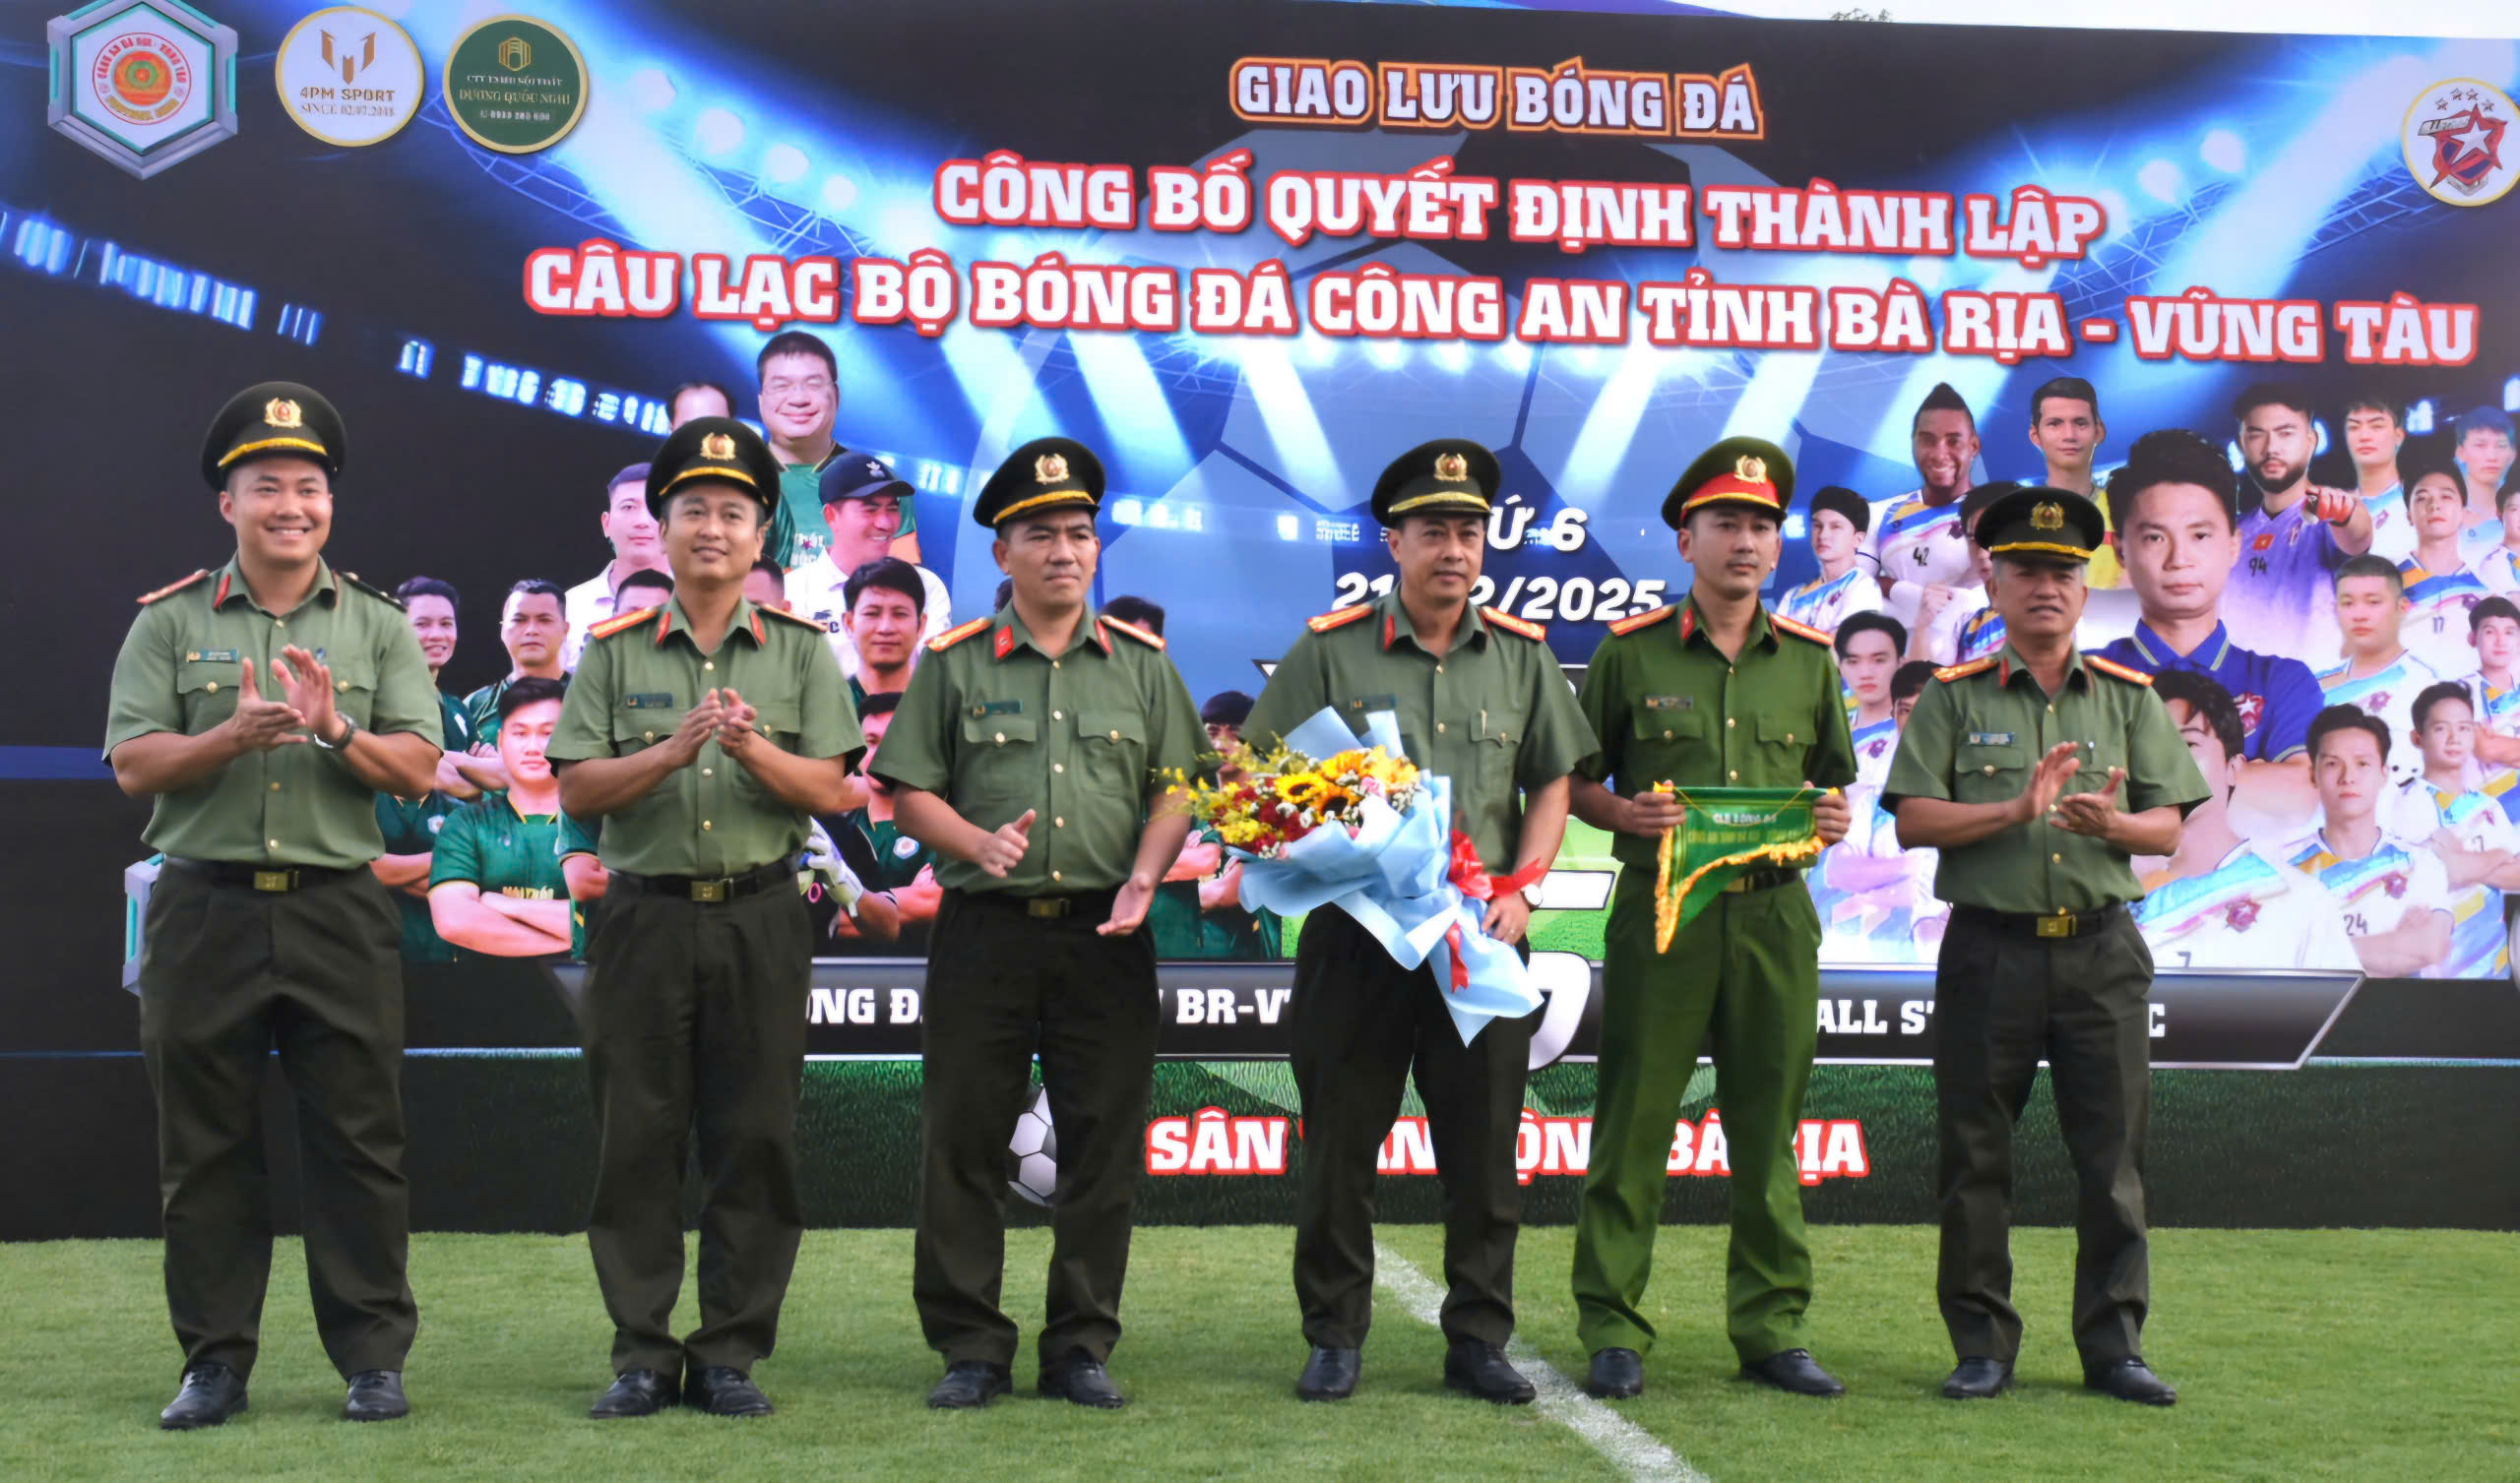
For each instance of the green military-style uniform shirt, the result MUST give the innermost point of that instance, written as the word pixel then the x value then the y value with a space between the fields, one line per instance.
pixel 1975 734
pixel 639 674
pixel 481 711
pixel 293 805
pixel 994 726
pixel 1669 708
pixel 1495 714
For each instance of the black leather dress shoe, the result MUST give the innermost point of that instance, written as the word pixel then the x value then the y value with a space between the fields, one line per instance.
pixel 1794 1371
pixel 1615 1374
pixel 1329 1375
pixel 1977 1379
pixel 723 1391
pixel 1080 1378
pixel 1480 1370
pixel 636 1392
pixel 969 1384
pixel 211 1393
pixel 376 1395
pixel 2131 1380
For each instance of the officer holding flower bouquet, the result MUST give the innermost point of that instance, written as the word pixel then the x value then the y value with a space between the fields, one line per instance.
pixel 1716 692
pixel 1481 700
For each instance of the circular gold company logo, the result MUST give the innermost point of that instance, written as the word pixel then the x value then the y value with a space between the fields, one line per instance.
pixel 515 85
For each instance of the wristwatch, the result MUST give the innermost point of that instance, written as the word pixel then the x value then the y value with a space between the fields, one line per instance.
pixel 350 728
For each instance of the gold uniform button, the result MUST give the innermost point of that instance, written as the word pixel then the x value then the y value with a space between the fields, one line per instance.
pixel 280 623
pixel 1439 726
pixel 1727 724
pixel 272 843
pixel 1989 770
pixel 275 788
pixel 1059 767
pixel 1666 733
pixel 1054 875
pixel 647 736
pixel 1001 738
pixel 708 771
pixel 1054 663
pixel 704 825
pixel 2055 859
pixel 710 665
pixel 1116 736
pixel 212 688
pixel 1058 715
pixel 1733 777
pixel 1439 669
pixel 1059 823
pixel 1788 738
pixel 341 684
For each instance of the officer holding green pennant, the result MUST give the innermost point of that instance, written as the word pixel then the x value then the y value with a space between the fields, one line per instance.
pixel 1691 702
pixel 2038 772
pixel 704 733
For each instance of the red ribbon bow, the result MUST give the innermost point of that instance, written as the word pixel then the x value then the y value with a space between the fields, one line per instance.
pixel 1476 884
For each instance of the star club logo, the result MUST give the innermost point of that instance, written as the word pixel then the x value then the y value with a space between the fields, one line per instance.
pixel 2252 708
pixel 2239 915
pixel 2456 145
pixel 2394 882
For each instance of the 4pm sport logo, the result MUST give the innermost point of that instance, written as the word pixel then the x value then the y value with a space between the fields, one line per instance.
pixel 142 82
pixel 350 76
pixel 2456 144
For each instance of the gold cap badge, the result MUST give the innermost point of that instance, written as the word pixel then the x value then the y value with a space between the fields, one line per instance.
pixel 279 411
pixel 1452 467
pixel 1049 469
pixel 2047 515
pixel 718 446
pixel 1753 469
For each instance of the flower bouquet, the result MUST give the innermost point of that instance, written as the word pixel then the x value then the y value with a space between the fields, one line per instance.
pixel 1323 821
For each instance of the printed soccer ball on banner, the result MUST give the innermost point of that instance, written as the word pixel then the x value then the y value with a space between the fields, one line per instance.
pixel 1032 1152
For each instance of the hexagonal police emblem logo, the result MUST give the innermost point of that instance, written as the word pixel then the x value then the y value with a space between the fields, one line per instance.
pixel 142 82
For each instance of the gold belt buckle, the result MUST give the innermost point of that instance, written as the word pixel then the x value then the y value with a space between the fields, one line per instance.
pixel 2059 925
pixel 273 880
pixel 1045 905
pixel 710 891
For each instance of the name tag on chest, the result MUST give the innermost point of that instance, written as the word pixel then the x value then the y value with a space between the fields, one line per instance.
pixel 648 701
pixel 211 657
pixel 1671 702
pixel 1990 738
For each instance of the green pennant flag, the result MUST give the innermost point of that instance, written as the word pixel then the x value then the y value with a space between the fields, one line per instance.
pixel 1725 832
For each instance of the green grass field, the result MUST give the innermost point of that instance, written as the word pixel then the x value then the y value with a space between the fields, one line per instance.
pixel 2326 1354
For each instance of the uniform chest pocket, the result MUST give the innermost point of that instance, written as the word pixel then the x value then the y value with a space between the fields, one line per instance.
pixel 355 689
pixel 641 720
pixel 1002 758
pixel 1989 770
pixel 1111 746
pixel 208 690
pixel 2097 755
pixel 783 722
pixel 1496 740
pixel 1666 744
pixel 1782 737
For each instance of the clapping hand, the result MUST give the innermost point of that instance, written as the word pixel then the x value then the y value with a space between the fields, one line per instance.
pixel 259 725
pixel 2091 813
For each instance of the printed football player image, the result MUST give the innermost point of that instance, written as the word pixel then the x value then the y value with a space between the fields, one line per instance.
pixel 2394 893
pixel 2467 830
pixel 2374 430
pixel 2440 588
pixel 495 884
pixel 1867 647
pixel 1875 899
pixel 2279 600
pixel 1915 543
pixel 1838 519
pixel 2222 901
pixel 2380 675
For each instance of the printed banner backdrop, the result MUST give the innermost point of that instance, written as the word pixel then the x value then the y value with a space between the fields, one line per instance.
pixel 1250 256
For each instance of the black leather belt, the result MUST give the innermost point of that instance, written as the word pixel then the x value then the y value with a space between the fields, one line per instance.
pixel 1766 878
pixel 709 890
pixel 1093 905
pixel 2045 926
pixel 267 878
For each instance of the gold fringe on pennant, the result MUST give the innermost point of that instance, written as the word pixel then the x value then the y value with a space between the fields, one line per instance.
pixel 1667 900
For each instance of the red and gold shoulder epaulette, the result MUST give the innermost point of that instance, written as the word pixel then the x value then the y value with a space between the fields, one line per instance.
pixel 2113 668
pixel 172 588
pixel 611 626
pixel 1644 620
pixel 1513 625
pixel 1950 672
pixel 1325 622
pixel 785 616
pixel 1150 640
pixel 956 635
pixel 1804 631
